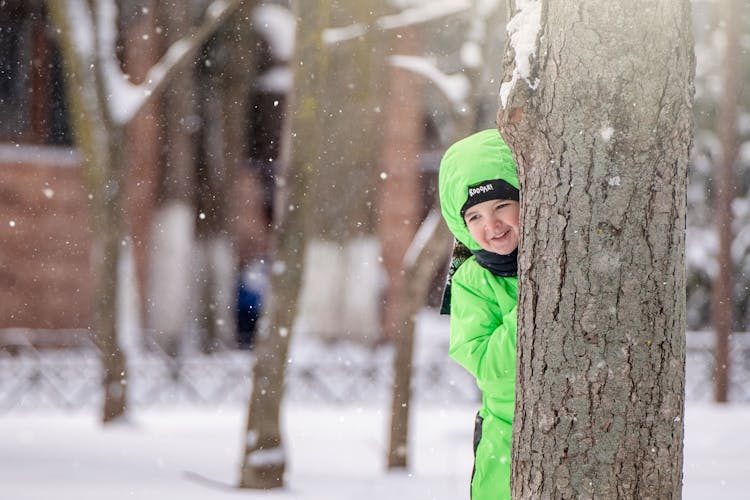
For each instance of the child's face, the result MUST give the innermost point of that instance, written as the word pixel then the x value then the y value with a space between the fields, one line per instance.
pixel 494 225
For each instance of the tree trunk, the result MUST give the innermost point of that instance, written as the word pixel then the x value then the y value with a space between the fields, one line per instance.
pixel 171 284
pixel 108 228
pixel 723 302
pixel 226 80
pixel 410 277
pixel 600 126
pixel 399 207
pixel 140 54
pixel 100 137
pixel 211 187
pixel 101 145
pixel 264 459
pixel 427 253
pixel 400 200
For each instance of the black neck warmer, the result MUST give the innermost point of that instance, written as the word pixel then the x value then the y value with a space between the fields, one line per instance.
pixel 499 265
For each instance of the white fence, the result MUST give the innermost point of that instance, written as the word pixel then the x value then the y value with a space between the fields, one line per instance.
pixel 323 372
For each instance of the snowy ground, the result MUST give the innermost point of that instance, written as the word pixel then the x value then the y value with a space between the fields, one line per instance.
pixel 335 453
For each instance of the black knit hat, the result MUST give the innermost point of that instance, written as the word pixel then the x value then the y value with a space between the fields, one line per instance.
pixel 495 189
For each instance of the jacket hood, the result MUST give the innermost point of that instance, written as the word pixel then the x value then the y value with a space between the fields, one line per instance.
pixel 480 157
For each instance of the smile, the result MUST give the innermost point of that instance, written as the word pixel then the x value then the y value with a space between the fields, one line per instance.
pixel 501 235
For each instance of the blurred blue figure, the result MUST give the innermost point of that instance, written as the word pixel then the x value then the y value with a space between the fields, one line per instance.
pixel 250 289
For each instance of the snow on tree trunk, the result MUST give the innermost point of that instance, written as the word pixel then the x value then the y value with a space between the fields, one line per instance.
pixel 320 307
pixel 215 290
pixel 597 110
pixel 171 280
pixel 361 289
pixel 341 291
pixel 128 312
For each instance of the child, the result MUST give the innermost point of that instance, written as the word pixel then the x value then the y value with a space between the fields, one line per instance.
pixel 479 196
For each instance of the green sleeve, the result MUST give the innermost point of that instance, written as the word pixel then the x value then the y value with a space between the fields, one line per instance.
pixel 483 339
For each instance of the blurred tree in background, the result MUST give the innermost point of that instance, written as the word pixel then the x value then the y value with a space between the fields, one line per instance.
pixel 103 102
pixel 714 58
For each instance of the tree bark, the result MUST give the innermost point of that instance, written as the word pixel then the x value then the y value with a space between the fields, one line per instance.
pixel 723 302
pixel 600 127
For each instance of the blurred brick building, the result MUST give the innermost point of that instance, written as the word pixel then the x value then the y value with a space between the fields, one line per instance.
pixel 45 237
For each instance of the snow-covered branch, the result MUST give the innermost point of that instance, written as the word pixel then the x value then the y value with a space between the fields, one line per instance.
pixel 351 32
pixel 278 25
pixel 121 96
pixel 420 14
pixel 83 34
pixel 454 87
pixel 125 99
pixel 424 13
pixel 426 233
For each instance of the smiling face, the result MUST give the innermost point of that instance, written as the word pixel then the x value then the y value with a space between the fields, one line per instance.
pixel 494 225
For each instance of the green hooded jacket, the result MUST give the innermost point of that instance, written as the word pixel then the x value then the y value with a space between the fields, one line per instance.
pixel 483 311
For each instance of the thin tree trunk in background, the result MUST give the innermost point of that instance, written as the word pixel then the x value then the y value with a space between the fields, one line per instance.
pixel 143 142
pixel 409 279
pixel 400 192
pixel 601 130
pixel 212 198
pixel 400 204
pixel 723 300
pixel 264 458
pixel 171 284
pixel 426 255
pixel 230 74
pixel 100 137
pixel 212 168
pixel 108 225
pixel 180 114
pixel 241 75
pixel 101 144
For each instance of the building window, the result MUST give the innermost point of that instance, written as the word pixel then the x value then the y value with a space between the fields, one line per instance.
pixel 32 97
